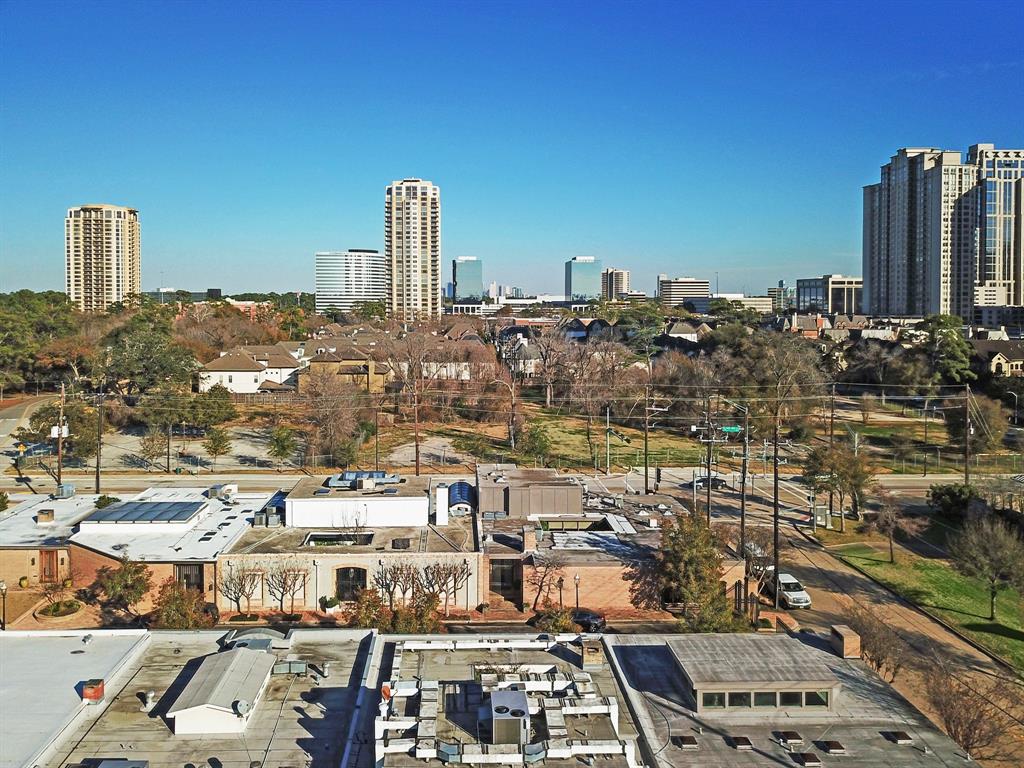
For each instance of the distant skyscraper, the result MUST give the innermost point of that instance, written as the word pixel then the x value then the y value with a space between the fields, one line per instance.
pixel 941 235
pixel 347 278
pixel 614 282
pixel 412 247
pixel 468 277
pixel 102 251
pixel 676 291
pixel 783 297
pixel 582 278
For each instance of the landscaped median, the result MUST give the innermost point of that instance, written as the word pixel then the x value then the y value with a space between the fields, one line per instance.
pixel 938 589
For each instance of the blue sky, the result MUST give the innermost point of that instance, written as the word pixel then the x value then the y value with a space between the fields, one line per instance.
pixel 661 137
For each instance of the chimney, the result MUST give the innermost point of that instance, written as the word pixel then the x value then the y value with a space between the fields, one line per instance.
pixel 529 538
pixel 44 517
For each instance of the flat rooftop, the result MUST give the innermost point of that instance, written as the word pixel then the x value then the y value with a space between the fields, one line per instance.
pixel 316 488
pixel 457 536
pixel 202 534
pixel 19 526
pixel 867 711
pixel 749 658
pixel 39 676
pixel 300 721
pixel 440 684
pixel 511 474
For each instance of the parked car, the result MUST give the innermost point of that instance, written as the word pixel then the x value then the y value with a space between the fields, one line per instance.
pixel 791 592
pixel 717 483
pixel 590 621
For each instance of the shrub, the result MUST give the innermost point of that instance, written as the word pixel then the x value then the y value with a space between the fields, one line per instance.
pixel 555 620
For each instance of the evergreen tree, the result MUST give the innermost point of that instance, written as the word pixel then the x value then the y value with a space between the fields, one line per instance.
pixel 691 570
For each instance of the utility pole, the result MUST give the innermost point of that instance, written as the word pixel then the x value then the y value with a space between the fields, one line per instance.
pixel 925 474
pixel 376 438
pixel 831 440
pixel 775 505
pixel 708 438
pixel 968 429
pixel 648 408
pixel 607 440
pixel 99 435
pixel 168 447
pixel 60 438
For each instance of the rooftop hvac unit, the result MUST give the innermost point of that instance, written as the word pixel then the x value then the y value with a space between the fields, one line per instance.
pixel 65 491
pixel 510 717
pixel 366 483
pixel 259 519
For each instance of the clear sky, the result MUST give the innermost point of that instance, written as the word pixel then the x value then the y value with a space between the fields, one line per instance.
pixel 660 137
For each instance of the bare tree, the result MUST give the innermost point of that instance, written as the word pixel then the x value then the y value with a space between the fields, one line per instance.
pixel 548 567
pixel 285 580
pixel 446 577
pixel 972 712
pixel 387 580
pixel 331 413
pixel 408 581
pixel 880 645
pixel 990 550
pixel 240 582
pixel 890 519
pixel 552 353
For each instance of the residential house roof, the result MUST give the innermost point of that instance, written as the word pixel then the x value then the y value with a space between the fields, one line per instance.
pixel 234 361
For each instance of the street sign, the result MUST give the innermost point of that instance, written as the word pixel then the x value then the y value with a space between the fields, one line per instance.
pixel 732 429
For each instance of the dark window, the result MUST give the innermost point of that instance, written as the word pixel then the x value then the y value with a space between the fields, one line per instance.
pixel 739 698
pixel 816 698
pixel 764 699
pixel 350 582
pixel 507 579
pixel 189 576
pixel 790 699
pixel 713 700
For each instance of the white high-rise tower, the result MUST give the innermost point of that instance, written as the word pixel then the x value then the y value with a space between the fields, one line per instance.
pixel 412 248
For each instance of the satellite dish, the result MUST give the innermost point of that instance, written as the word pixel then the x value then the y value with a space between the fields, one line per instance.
pixel 241 707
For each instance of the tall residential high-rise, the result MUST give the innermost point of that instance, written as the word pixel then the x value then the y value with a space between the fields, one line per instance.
pixel 102 255
pixel 614 283
pixel 830 294
pixel 346 278
pixel 412 247
pixel 941 235
pixel 676 291
pixel 468 278
pixel 582 278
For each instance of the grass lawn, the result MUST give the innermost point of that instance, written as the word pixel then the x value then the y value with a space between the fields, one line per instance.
pixel 958 600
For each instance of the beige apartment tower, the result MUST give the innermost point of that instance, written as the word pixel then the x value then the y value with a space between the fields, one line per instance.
pixel 412 249
pixel 102 255
pixel 614 283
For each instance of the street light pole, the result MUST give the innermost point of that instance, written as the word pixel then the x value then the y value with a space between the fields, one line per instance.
pixel 3 596
pixel 511 413
pixel 1016 401
pixel 576 579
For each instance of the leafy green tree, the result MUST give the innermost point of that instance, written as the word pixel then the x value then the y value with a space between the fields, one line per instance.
pixel 28 322
pixel 989 550
pixel 281 444
pixel 369 612
pixel 105 501
pixel 5 500
pixel 370 310
pixel 178 607
pixel 82 440
pixel 535 442
pixel 124 586
pixel 144 356
pixel 989 422
pixel 212 407
pixel 690 570
pixel 948 352
pixel 164 407
pixel 217 443
pixel 951 500
pixel 733 312
pixel 553 619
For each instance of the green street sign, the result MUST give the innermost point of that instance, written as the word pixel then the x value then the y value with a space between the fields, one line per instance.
pixel 732 429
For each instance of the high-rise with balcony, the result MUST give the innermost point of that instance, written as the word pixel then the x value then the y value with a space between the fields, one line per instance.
pixel 467 279
pixel 412 249
pixel 614 283
pixel 942 235
pixel 102 253
pixel 346 279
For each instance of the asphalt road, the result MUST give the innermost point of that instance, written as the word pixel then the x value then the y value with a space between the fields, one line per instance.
pixel 15 415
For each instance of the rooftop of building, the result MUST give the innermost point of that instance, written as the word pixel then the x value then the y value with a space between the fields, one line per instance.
pixel 443 686
pixel 22 526
pixel 317 488
pixel 170 525
pixel 457 536
pixel 511 474
pixel 866 714
pixel 301 719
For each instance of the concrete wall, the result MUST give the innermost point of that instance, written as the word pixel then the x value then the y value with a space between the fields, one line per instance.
pixel 365 511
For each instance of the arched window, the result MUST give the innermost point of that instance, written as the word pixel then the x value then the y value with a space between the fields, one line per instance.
pixel 350 582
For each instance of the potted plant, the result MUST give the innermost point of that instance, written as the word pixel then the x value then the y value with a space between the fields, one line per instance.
pixel 329 605
pixel 23 582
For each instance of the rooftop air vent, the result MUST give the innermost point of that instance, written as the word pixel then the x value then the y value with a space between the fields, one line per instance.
pixel 400 543
pixel 44 517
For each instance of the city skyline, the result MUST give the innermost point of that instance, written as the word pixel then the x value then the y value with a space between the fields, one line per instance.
pixel 766 193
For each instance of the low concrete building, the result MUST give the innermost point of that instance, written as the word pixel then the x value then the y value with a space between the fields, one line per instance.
pixel 223 693
pixel 34 535
pixel 507 491
pixel 383 502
